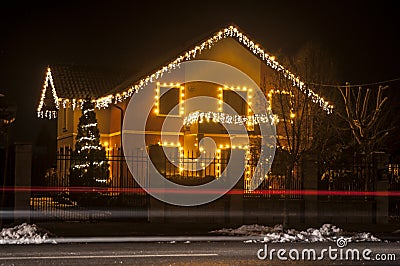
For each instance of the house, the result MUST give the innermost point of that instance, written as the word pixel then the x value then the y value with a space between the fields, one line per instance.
pixel 66 87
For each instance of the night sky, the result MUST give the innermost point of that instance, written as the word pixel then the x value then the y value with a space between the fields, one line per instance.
pixel 363 37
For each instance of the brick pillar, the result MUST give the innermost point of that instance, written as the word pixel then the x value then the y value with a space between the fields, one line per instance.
pixel 236 199
pixel 382 203
pixel 156 208
pixel 310 182
pixel 22 171
pixel 380 163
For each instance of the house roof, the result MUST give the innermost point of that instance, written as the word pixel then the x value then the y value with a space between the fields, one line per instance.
pixel 74 81
pixel 76 84
pixel 163 59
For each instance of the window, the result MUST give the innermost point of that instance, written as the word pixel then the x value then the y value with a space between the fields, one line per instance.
pixel 235 101
pixel 169 100
pixel 65 119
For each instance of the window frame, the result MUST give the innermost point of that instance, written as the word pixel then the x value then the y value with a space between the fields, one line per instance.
pixel 181 94
pixel 237 90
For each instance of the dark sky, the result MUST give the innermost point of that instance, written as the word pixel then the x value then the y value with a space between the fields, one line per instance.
pixel 363 36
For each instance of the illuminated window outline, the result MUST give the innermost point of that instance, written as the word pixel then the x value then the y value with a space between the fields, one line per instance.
pixel 247 101
pixel 181 111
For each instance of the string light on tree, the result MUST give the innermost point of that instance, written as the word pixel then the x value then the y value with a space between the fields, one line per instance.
pixel 90 166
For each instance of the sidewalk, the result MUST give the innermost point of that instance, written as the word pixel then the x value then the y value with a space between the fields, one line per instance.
pixel 88 229
pixel 91 229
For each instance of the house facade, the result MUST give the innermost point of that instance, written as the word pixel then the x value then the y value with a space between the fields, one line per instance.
pixel 66 87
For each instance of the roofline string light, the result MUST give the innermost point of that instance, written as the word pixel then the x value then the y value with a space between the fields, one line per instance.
pixel 231 31
pixel 48 114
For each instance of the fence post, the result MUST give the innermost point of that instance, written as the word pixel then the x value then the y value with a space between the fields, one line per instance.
pixel 157 212
pixel 310 182
pixel 23 162
pixel 380 165
pixel 236 203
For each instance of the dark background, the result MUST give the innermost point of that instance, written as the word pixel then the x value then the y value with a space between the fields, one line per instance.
pixel 362 36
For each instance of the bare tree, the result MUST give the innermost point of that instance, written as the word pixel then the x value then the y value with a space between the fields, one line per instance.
pixel 301 122
pixel 368 122
pixel 294 115
pixel 365 117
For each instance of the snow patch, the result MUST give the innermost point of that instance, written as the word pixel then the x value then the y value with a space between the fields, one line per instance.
pixel 277 234
pixel 23 234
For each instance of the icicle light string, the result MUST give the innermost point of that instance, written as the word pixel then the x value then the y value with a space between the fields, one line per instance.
pixel 223 118
pixel 233 32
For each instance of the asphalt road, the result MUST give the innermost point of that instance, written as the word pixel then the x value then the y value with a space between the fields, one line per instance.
pixel 184 252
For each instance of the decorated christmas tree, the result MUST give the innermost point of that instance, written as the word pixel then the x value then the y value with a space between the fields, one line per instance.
pixel 89 166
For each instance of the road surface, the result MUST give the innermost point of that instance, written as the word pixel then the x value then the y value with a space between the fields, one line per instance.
pixel 186 251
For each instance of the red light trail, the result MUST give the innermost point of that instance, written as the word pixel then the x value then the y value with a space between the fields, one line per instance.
pixel 195 190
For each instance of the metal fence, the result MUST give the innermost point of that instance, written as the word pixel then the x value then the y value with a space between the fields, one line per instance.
pixel 357 175
pixel 189 168
pixel 277 186
pixel 351 179
pixel 125 196
pixel 394 185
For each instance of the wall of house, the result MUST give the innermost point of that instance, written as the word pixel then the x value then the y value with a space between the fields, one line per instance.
pixel 108 123
pixel 201 89
pixel 66 128
pixel 231 52
pixel 227 51
pixel 144 125
pixel 104 119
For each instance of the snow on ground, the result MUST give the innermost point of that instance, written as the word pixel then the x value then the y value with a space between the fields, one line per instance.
pixel 277 234
pixel 23 234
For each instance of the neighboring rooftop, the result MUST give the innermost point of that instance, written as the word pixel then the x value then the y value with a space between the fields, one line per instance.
pixel 76 82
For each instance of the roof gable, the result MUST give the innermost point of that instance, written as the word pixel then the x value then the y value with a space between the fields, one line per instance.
pixel 228 32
